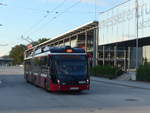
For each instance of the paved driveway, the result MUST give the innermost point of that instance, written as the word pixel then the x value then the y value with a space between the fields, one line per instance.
pixel 17 96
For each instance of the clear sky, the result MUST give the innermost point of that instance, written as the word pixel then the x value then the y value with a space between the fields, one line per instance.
pixel 44 18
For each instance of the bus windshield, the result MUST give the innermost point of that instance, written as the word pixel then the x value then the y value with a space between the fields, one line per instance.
pixel 71 65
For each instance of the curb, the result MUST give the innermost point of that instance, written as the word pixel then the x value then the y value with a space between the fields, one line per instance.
pixel 121 84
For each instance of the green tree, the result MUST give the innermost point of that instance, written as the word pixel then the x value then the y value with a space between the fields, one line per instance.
pixel 17 53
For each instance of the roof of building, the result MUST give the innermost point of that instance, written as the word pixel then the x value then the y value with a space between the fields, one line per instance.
pixel 78 30
pixel 6 59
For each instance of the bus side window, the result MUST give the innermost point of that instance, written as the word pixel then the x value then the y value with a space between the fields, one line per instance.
pixel 51 65
pixel 44 61
pixel 44 65
pixel 52 70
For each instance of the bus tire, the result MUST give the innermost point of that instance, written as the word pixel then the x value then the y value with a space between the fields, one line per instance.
pixel 26 78
pixel 27 81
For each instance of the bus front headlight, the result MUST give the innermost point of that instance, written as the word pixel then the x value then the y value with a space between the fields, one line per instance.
pixel 87 81
pixel 58 81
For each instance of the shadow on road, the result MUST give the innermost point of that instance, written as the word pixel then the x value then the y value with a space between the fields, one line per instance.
pixel 70 93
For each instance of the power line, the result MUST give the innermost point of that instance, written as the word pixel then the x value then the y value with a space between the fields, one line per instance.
pixel 62 3
pixel 66 10
pixel 70 12
pixel 26 39
pixel 44 17
pixel 59 14
pixel 33 9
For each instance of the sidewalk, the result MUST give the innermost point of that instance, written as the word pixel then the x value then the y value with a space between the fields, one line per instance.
pixel 133 84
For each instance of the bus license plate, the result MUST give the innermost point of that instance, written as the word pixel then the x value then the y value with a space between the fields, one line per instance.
pixel 74 88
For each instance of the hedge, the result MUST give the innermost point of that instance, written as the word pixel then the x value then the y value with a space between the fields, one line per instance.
pixel 143 73
pixel 106 71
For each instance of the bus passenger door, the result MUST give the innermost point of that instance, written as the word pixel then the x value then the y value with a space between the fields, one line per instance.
pixel 52 70
pixel 48 78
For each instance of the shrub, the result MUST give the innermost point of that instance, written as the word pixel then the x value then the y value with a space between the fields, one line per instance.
pixel 143 73
pixel 106 71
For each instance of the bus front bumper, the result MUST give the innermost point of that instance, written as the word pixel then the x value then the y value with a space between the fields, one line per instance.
pixel 71 87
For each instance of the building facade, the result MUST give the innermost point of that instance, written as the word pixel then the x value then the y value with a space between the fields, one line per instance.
pixel 124 36
pixel 6 61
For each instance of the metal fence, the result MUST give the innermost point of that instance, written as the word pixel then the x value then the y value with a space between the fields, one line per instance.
pixel 11 70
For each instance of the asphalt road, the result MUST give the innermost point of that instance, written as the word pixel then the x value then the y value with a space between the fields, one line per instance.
pixel 17 96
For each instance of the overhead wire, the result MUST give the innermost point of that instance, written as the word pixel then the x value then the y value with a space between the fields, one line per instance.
pixel 59 14
pixel 45 16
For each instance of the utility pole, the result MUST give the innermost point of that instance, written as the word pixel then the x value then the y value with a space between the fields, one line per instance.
pixel 95 46
pixel 95 9
pixel 137 34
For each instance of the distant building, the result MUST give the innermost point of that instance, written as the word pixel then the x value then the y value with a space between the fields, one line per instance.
pixel 5 61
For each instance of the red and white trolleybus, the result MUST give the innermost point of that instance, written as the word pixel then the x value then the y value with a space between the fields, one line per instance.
pixel 57 68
